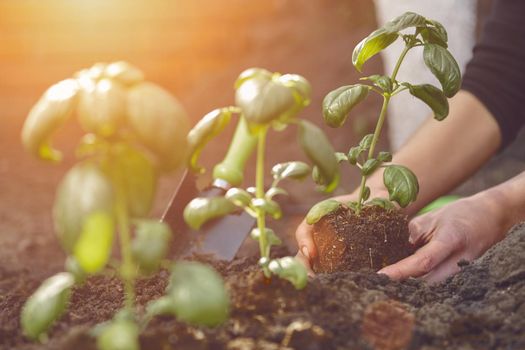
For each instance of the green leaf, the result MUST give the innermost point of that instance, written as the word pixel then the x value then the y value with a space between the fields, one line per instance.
pixel 406 20
pixel 273 191
pixel 443 65
pixel 341 157
pixel 211 125
pixel 84 190
pixel 318 149
pixel 381 202
pixel 150 244
pixel 264 99
pixel 381 81
pixel 268 206
pixel 93 248
pixel 102 106
pixel 290 269
pixel 251 73
pixel 198 293
pixel 321 209
pixel 354 153
pixel 301 90
pixel 371 45
pixel 46 304
pixel 401 183
pixel 120 334
pixel 366 142
pixel 370 166
pixel 384 157
pixel 366 193
pixel 160 122
pixel 435 33
pixel 201 210
pixel 433 97
pixel 339 102
pixel 139 180
pixel 47 115
pixel 238 196
pixel 271 237
pixel 294 170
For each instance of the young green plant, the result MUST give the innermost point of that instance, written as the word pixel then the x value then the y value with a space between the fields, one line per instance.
pixel 264 101
pixel 135 130
pixel 415 31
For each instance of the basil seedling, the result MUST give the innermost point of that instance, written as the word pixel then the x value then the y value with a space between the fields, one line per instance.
pixel 264 101
pixel 401 183
pixel 135 130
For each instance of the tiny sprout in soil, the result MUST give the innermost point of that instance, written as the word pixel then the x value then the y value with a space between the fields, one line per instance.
pixel 264 101
pixel 402 185
pixel 132 129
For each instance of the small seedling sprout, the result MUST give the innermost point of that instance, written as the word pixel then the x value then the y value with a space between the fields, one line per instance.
pixel 264 101
pixel 135 130
pixel 401 183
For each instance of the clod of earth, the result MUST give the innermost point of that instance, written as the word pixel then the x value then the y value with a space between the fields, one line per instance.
pixel 373 239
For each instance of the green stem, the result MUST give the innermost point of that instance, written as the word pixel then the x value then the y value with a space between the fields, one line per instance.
pixel 127 269
pixel 259 193
pixel 379 125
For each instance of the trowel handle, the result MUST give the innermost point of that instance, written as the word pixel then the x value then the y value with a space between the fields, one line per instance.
pixel 231 169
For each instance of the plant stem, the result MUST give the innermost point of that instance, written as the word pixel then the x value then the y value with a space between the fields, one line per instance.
pixel 127 266
pixel 259 193
pixel 379 126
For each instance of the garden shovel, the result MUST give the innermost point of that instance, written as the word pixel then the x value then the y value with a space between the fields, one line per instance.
pixel 220 237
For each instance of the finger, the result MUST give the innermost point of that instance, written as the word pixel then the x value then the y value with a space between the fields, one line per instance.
pixel 306 244
pixel 421 229
pixel 306 262
pixel 446 269
pixel 421 262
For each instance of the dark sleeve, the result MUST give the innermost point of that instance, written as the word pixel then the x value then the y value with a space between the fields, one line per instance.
pixel 496 73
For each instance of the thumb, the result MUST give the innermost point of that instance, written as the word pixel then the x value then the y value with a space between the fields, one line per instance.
pixel 305 241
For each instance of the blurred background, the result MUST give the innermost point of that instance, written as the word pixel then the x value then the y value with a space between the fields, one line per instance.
pixel 193 48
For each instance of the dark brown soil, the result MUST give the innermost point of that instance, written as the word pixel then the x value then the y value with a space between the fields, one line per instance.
pixel 482 307
pixel 373 239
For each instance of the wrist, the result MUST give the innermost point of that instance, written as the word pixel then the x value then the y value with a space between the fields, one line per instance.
pixel 497 206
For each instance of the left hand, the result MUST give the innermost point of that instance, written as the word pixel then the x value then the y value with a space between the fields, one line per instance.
pixel 464 229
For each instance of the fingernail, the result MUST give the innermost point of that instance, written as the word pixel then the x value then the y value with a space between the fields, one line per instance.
pixel 305 252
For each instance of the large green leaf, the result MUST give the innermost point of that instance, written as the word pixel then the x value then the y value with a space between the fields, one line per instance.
pixel 46 116
pixel 206 129
pixel 46 304
pixel 443 65
pixel 321 209
pixel 433 97
pixel 371 45
pixel 401 184
pixel 339 102
pixel 198 294
pixel 201 210
pixel 406 20
pixel 263 99
pixel 160 122
pixel 319 150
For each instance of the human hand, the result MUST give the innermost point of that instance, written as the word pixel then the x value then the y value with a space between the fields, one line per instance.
pixel 464 229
